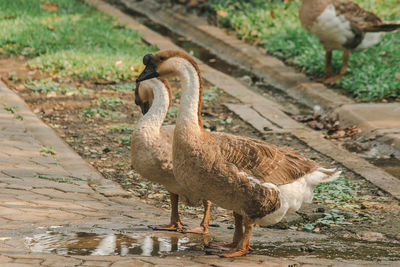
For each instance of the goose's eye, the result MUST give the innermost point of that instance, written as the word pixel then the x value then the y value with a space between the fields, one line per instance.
pixel 162 58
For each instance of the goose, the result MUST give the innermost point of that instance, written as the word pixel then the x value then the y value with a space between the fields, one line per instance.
pixel 258 181
pixel 342 25
pixel 151 150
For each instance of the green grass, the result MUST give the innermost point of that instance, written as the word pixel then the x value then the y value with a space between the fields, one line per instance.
pixel 110 102
pixel 372 72
pixel 339 193
pixel 90 112
pixel 11 109
pixel 48 85
pixel 121 87
pixel 211 94
pixel 126 139
pixel 48 150
pixel 121 128
pixel 173 112
pixel 75 40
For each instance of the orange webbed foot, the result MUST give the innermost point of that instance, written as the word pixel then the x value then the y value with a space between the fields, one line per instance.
pixel 198 230
pixel 233 253
pixel 221 245
pixel 178 226
pixel 333 79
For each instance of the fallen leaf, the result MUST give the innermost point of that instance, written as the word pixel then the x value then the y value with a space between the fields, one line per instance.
pixel 119 62
pixel 257 41
pixel 398 76
pixel 20 87
pixel 51 28
pixel 272 13
pixel 49 6
pixel 222 13
pixel 5 238
pixel 51 94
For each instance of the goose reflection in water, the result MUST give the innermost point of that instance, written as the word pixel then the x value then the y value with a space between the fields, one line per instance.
pixel 109 244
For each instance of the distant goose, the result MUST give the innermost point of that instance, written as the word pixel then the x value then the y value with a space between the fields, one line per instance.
pixel 151 150
pixel 259 182
pixel 342 25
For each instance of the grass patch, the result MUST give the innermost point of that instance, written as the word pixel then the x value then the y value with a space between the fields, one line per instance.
pixel 275 26
pixel 211 94
pixel 90 112
pixel 11 109
pixel 339 193
pixel 122 87
pixel 173 112
pixel 121 128
pixel 342 196
pixel 126 140
pixel 48 150
pixel 109 102
pixel 74 40
pixel 48 85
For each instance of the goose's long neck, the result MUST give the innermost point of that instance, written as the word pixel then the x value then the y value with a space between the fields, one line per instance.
pixel 189 116
pixel 151 122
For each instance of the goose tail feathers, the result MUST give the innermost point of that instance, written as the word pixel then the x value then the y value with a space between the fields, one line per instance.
pixel 322 175
pixel 384 27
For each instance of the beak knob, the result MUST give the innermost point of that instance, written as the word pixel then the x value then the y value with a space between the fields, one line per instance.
pixel 147 59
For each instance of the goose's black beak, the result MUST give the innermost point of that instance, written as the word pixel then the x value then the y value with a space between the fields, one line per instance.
pixel 144 106
pixel 151 69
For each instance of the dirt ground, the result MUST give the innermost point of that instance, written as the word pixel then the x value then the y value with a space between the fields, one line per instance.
pixel 366 216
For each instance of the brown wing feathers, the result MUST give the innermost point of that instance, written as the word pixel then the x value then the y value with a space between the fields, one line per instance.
pixel 263 161
pixel 362 19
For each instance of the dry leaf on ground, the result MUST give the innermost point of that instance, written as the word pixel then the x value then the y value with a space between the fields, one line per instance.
pixel 49 6
pixel 222 13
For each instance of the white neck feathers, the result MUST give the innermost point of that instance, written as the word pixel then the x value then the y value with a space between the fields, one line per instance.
pixel 151 122
pixel 188 116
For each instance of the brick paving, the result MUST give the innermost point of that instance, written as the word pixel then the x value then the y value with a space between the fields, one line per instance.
pixel 41 194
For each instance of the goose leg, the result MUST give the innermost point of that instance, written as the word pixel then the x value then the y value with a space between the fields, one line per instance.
pixel 328 66
pixel 243 246
pixel 203 229
pixel 176 223
pixel 237 236
pixel 343 69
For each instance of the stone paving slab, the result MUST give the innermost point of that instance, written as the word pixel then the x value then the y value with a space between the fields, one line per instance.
pixel 374 119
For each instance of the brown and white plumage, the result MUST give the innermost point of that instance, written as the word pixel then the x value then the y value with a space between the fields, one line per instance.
pixel 260 182
pixel 342 25
pixel 151 149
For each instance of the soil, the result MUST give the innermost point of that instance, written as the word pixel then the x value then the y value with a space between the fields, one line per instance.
pixel 104 142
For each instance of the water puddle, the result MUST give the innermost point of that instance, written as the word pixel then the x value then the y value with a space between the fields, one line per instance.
pixel 144 244
pixel 390 165
pixel 63 241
